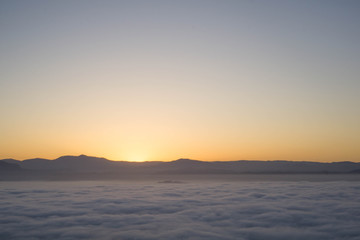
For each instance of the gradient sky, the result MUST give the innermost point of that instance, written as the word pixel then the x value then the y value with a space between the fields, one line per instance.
pixel 160 80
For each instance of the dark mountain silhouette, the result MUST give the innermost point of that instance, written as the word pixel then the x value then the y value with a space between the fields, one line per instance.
pixel 75 163
pixel 69 167
pixel 6 166
pixel 356 171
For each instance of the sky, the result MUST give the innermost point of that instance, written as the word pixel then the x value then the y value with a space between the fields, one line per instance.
pixel 161 80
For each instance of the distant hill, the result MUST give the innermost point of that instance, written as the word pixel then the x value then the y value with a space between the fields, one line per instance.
pixel 6 166
pixel 72 163
pixel 85 163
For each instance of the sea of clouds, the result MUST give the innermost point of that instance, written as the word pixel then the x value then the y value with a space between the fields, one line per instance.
pixel 173 210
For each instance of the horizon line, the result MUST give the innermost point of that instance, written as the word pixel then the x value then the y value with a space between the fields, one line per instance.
pixel 255 160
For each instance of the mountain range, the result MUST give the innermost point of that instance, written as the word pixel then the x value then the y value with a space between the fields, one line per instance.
pixel 94 167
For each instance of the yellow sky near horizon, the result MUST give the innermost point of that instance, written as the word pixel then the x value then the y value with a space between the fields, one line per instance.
pixel 158 80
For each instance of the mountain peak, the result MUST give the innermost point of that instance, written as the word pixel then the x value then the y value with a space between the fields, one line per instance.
pixel 80 157
pixel 186 160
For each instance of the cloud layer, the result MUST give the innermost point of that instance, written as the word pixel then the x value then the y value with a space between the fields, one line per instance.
pixel 174 210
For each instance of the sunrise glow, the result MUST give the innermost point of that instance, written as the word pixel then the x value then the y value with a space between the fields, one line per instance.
pixel 160 80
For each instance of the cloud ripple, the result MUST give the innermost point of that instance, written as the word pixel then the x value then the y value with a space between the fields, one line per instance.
pixel 193 210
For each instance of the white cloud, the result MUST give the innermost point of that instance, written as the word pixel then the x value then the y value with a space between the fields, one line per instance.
pixel 193 210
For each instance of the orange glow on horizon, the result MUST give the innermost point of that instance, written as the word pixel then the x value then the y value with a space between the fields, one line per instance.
pixel 212 81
